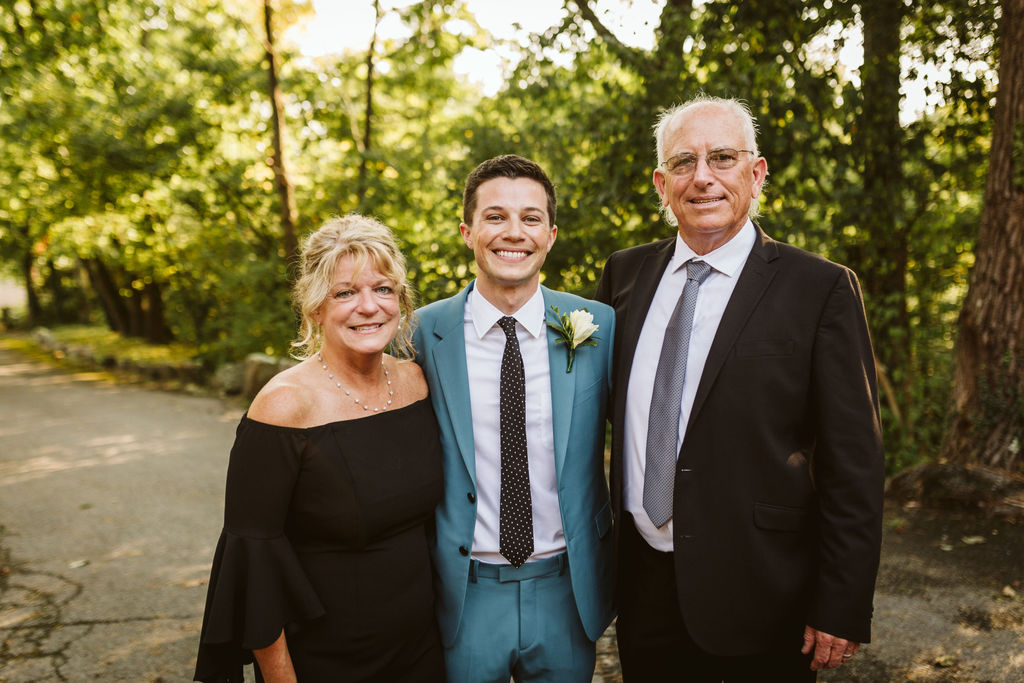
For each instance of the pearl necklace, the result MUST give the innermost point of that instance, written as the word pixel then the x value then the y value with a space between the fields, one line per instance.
pixel 387 377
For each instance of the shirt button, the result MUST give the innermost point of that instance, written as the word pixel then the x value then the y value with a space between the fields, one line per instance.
pixel 463 550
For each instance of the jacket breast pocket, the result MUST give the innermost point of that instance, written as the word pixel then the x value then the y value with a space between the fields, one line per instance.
pixel 761 348
pixel 780 517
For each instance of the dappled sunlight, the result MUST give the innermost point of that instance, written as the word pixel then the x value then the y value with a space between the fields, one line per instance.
pixel 10 428
pixel 189 576
pixel 103 451
pixel 109 440
pixel 12 473
pixel 33 375
pixel 100 452
pixel 48 380
pixel 231 416
pixel 17 615
pixel 125 550
pixel 167 644
pixel 15 369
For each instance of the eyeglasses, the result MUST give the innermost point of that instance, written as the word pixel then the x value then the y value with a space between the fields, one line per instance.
pixel 720 159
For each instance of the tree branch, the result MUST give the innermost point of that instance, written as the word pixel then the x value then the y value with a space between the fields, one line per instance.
pixel 627 54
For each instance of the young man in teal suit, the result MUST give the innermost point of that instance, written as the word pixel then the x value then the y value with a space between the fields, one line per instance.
pixel 523 545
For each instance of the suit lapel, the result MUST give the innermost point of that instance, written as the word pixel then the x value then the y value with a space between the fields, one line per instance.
pixel 754 280
pixel 648 276
pixel 449 356
pixel 563 384
pixel 638 303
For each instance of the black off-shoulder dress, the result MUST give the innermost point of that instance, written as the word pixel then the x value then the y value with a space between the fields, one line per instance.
pixel 325 536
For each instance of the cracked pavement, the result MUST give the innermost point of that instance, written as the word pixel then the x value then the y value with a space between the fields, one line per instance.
pixel 110 504
pixel 111 499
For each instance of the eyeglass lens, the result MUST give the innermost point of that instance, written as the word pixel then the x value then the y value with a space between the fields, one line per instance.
pixel 718 159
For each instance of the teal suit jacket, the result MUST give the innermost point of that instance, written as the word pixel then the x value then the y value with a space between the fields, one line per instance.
pixel 579 403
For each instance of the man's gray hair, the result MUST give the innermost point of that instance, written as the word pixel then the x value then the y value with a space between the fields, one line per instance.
pixel 735 107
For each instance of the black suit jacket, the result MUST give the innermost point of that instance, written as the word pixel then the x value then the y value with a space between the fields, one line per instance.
pixel 778 492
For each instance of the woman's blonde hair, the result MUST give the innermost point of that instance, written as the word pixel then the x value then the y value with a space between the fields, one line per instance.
pixel 366 240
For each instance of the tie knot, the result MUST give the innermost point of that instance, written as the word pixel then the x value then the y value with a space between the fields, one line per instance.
pixel 697 270
pixel 508 324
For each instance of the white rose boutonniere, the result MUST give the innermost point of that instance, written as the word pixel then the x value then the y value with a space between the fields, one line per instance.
pixel 574 329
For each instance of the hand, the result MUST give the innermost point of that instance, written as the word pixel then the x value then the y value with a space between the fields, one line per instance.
pixel 829 652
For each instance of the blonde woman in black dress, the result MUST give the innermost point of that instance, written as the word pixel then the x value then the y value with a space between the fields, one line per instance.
pixel 322 571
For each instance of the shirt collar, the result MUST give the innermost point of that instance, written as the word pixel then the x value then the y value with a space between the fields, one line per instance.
pixel 485 315
pixel 726 259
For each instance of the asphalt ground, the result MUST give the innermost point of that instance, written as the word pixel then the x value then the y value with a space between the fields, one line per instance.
pixel 110 506
pixel 111 500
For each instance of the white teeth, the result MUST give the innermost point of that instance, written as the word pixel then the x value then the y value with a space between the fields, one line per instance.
pixel 514 255
pixel 705 201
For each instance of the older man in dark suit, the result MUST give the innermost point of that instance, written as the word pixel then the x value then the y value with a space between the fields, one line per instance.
pixel 747 465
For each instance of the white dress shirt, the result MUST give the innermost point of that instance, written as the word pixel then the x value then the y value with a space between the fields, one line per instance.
pixel 485 344
pixel 727 263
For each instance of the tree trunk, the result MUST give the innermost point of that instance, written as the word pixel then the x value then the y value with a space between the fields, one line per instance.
pixel 368 117
pixel 284 186
pixel 988 387
pixel 155 327
pixel 103 284
pixel 135 314
pixel 34 308
pixel 883 264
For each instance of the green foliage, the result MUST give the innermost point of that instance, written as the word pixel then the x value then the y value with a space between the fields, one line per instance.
pixel 137 185
pixel 108 344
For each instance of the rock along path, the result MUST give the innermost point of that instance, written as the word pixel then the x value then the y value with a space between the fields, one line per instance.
pixel 111 499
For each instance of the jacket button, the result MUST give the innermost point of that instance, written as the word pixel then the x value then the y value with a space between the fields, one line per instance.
pixel 471 497
pixel 463 550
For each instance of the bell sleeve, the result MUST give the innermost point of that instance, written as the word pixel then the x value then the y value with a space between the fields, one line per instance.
pixel 257 584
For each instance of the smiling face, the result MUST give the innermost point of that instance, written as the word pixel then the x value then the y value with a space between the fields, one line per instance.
pixel 510 236
pixel 361 312
pixel 710 205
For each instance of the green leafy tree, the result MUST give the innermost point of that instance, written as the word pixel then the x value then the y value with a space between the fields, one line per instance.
pixel 848 179
pixel 988 394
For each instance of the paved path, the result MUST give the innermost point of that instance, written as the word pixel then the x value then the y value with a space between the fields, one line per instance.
pixel 111 503
pixel 110 506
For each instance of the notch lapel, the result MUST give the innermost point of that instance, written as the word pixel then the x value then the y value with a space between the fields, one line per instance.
pixel 652 267
pixel 449 357
pixel 563 384
pixel 757 274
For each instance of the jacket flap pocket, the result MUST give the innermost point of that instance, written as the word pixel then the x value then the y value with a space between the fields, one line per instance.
pixel 779 517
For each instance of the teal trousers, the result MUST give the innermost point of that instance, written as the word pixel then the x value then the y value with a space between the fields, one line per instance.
pixel 520 624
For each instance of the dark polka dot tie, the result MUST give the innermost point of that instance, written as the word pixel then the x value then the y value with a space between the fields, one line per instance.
pixel 515 533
